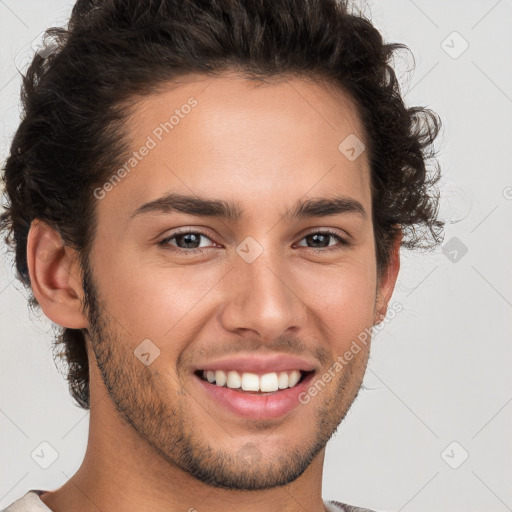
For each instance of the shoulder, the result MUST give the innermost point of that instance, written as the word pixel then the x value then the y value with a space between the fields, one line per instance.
pixel 336 506
pixel 30 502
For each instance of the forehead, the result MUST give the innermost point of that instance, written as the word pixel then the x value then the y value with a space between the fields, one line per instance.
pixel 235 138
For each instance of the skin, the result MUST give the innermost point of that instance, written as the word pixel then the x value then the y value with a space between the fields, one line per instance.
pixel 156 442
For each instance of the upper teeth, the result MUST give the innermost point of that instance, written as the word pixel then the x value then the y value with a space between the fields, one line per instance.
pixel 267 382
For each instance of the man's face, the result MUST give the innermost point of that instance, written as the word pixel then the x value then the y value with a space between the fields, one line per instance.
pixel 261 294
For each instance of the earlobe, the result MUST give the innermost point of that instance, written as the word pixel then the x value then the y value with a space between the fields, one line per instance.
pixel 55 276
pixel 387 281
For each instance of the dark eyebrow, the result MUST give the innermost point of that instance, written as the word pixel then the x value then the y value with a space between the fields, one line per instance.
pixel 325 207
pixel 192 205
pixel 199 206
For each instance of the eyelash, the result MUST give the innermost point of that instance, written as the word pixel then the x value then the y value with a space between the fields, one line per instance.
pixel 344 243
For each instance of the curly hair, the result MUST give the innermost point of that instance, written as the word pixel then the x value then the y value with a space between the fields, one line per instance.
pixel 76 96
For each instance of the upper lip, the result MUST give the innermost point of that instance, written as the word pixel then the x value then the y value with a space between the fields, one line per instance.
pixel 260 364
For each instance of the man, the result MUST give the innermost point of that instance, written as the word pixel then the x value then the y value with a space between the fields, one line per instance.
pixel 210 199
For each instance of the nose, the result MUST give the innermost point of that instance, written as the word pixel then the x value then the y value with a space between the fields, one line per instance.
pixel 263 297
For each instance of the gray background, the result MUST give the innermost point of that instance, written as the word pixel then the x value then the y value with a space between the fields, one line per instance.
pixel 438 384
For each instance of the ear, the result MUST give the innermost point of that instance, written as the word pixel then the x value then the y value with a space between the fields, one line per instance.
pixel 386 282
pixel 55 276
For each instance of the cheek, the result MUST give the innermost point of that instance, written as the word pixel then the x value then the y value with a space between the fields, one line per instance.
pixel 151 298
pixel 343 298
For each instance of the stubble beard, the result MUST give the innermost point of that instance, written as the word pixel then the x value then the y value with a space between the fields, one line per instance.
pixel 138 396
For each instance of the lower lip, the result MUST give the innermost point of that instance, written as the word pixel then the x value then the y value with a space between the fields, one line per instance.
pixel 257 406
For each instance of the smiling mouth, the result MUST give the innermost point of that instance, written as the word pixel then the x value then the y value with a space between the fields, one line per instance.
pixel 247 382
